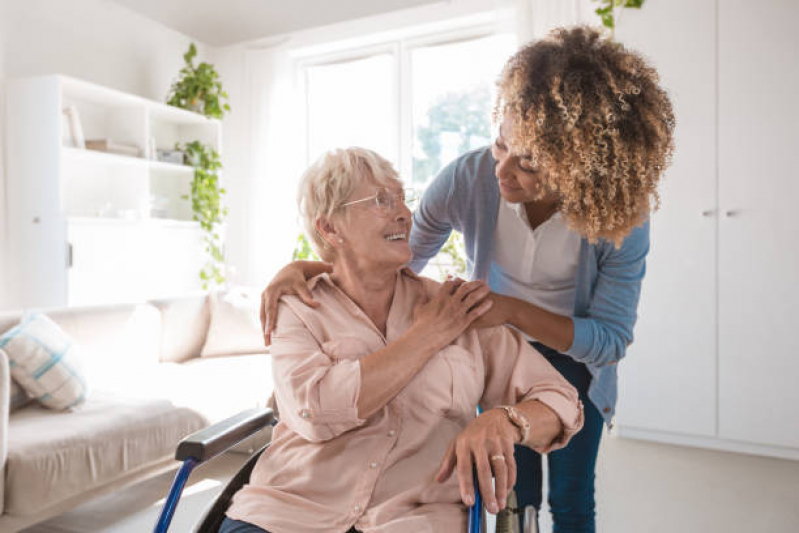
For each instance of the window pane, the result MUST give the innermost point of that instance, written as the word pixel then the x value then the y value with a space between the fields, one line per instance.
pixel 453 96
pixel 353 104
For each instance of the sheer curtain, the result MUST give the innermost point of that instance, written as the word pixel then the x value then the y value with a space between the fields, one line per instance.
pixel 533 19
pixel 275 161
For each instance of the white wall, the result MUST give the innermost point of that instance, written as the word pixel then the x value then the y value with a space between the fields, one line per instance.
pixel 93 40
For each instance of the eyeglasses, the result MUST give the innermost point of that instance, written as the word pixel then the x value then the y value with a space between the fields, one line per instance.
pixel 386 199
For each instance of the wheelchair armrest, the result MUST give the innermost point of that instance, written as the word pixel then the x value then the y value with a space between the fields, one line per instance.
pixel 213 440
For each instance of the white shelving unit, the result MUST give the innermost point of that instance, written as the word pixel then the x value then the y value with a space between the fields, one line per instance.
pixel 89 227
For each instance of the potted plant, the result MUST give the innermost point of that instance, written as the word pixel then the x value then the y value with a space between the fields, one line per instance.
pixel 198 88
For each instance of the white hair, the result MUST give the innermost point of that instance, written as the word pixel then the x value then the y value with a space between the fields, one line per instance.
pixel 328 183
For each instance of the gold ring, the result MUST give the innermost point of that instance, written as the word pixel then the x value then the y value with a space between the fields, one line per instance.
pixel 497 457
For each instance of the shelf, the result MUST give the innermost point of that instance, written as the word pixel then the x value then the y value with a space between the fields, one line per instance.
pixel 171 167
pixel 105 158
pixel 95 156
pixel 91 92
pixel 111 221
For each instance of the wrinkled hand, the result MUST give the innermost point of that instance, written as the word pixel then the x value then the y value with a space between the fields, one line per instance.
pixel 451 310
pixel 290 280
pixel 489 435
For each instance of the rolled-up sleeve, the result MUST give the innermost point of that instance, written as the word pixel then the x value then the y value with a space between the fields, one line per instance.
pixel 316 394
pixel 516 372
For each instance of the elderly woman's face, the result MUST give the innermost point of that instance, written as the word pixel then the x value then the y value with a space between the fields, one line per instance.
pixel 518 181
pixel 375 236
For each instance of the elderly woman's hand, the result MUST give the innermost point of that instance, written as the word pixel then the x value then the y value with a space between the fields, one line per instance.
pixel 487 444
pixel 291 279
pixel 452 309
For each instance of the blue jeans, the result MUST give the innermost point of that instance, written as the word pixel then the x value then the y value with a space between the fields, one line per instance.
pixel 237 526
pixel 571 469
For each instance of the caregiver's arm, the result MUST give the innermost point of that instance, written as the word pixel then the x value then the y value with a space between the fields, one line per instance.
pixel 291 279
pixel 601 336
pixel 550 329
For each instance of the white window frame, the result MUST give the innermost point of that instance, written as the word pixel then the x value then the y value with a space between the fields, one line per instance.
pixel 399 44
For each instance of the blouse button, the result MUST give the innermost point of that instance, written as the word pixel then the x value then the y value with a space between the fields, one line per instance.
pixel 305 413
pixel 391 433
pixel 357 508
pixel 373 465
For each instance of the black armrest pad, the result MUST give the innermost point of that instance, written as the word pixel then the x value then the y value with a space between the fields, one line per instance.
pixel 213 440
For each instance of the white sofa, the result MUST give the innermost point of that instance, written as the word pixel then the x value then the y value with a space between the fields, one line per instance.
pixel 149 388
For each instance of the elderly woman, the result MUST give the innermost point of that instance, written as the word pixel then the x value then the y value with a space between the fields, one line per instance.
pixel 378 384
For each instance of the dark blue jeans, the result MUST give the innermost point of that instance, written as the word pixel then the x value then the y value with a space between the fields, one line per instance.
pixel 237 526
pixel 571 469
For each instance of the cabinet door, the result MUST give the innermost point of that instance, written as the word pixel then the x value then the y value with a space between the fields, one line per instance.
pixel 759 225
pixel 107 263
pixel 668 379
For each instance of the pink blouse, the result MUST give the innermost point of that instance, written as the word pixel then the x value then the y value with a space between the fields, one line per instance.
pixel 328 470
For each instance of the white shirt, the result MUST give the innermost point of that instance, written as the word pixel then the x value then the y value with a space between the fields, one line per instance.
pixel 537 265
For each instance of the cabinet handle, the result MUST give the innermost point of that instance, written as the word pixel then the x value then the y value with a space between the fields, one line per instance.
pixel 69 255
pixel 732 213
pixel 708 212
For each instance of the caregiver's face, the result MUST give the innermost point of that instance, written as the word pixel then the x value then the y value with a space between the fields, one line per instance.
pixel 518 180
pixel 376 229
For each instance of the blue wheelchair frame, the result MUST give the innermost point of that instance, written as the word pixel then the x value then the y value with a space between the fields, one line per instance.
pixel 206 444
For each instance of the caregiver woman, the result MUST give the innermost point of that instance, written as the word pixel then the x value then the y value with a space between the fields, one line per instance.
pixel 554 217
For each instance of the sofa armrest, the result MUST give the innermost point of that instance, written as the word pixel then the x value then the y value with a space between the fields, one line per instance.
pixel 213 440
pixel 5 406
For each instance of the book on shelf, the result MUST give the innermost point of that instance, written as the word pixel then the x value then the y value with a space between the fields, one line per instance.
pixel 113 147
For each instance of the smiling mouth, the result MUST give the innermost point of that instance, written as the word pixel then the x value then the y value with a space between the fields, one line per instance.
pixel 397 237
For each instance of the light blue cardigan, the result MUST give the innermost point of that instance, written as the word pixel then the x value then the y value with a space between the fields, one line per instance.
pixel 465 197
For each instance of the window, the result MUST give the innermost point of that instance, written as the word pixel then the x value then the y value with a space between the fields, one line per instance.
pixel 419 102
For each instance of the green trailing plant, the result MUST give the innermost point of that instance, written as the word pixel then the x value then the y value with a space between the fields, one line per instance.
pixel 607 11
pixel 198 88
pixel 207 208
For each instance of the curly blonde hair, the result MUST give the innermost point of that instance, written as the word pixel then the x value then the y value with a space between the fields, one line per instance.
pixel 590 115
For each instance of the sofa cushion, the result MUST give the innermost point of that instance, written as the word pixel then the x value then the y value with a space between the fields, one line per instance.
pixel 54 456
pixel 235 327
pixel 114 340
pixel 45 362
pixel 184 326
pixel 218 387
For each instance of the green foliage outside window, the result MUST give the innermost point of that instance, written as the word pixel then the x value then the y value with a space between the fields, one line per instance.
pixel 207 208
pixel 303 250
pixel 465 114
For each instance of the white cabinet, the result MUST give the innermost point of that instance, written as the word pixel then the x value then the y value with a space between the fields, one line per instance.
pixel 82 226
pixel 714 362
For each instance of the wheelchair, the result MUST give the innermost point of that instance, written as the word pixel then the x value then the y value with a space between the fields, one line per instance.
pixel 208 443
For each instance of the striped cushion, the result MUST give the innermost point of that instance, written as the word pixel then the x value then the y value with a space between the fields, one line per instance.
pixel 45 362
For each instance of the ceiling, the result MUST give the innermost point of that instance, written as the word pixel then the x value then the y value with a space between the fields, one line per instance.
pixel 221 23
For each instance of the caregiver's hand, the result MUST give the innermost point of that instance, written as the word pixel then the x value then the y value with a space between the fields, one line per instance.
pixel 451 310
pixel 500 313
pixel 487 443
pixel 291 279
